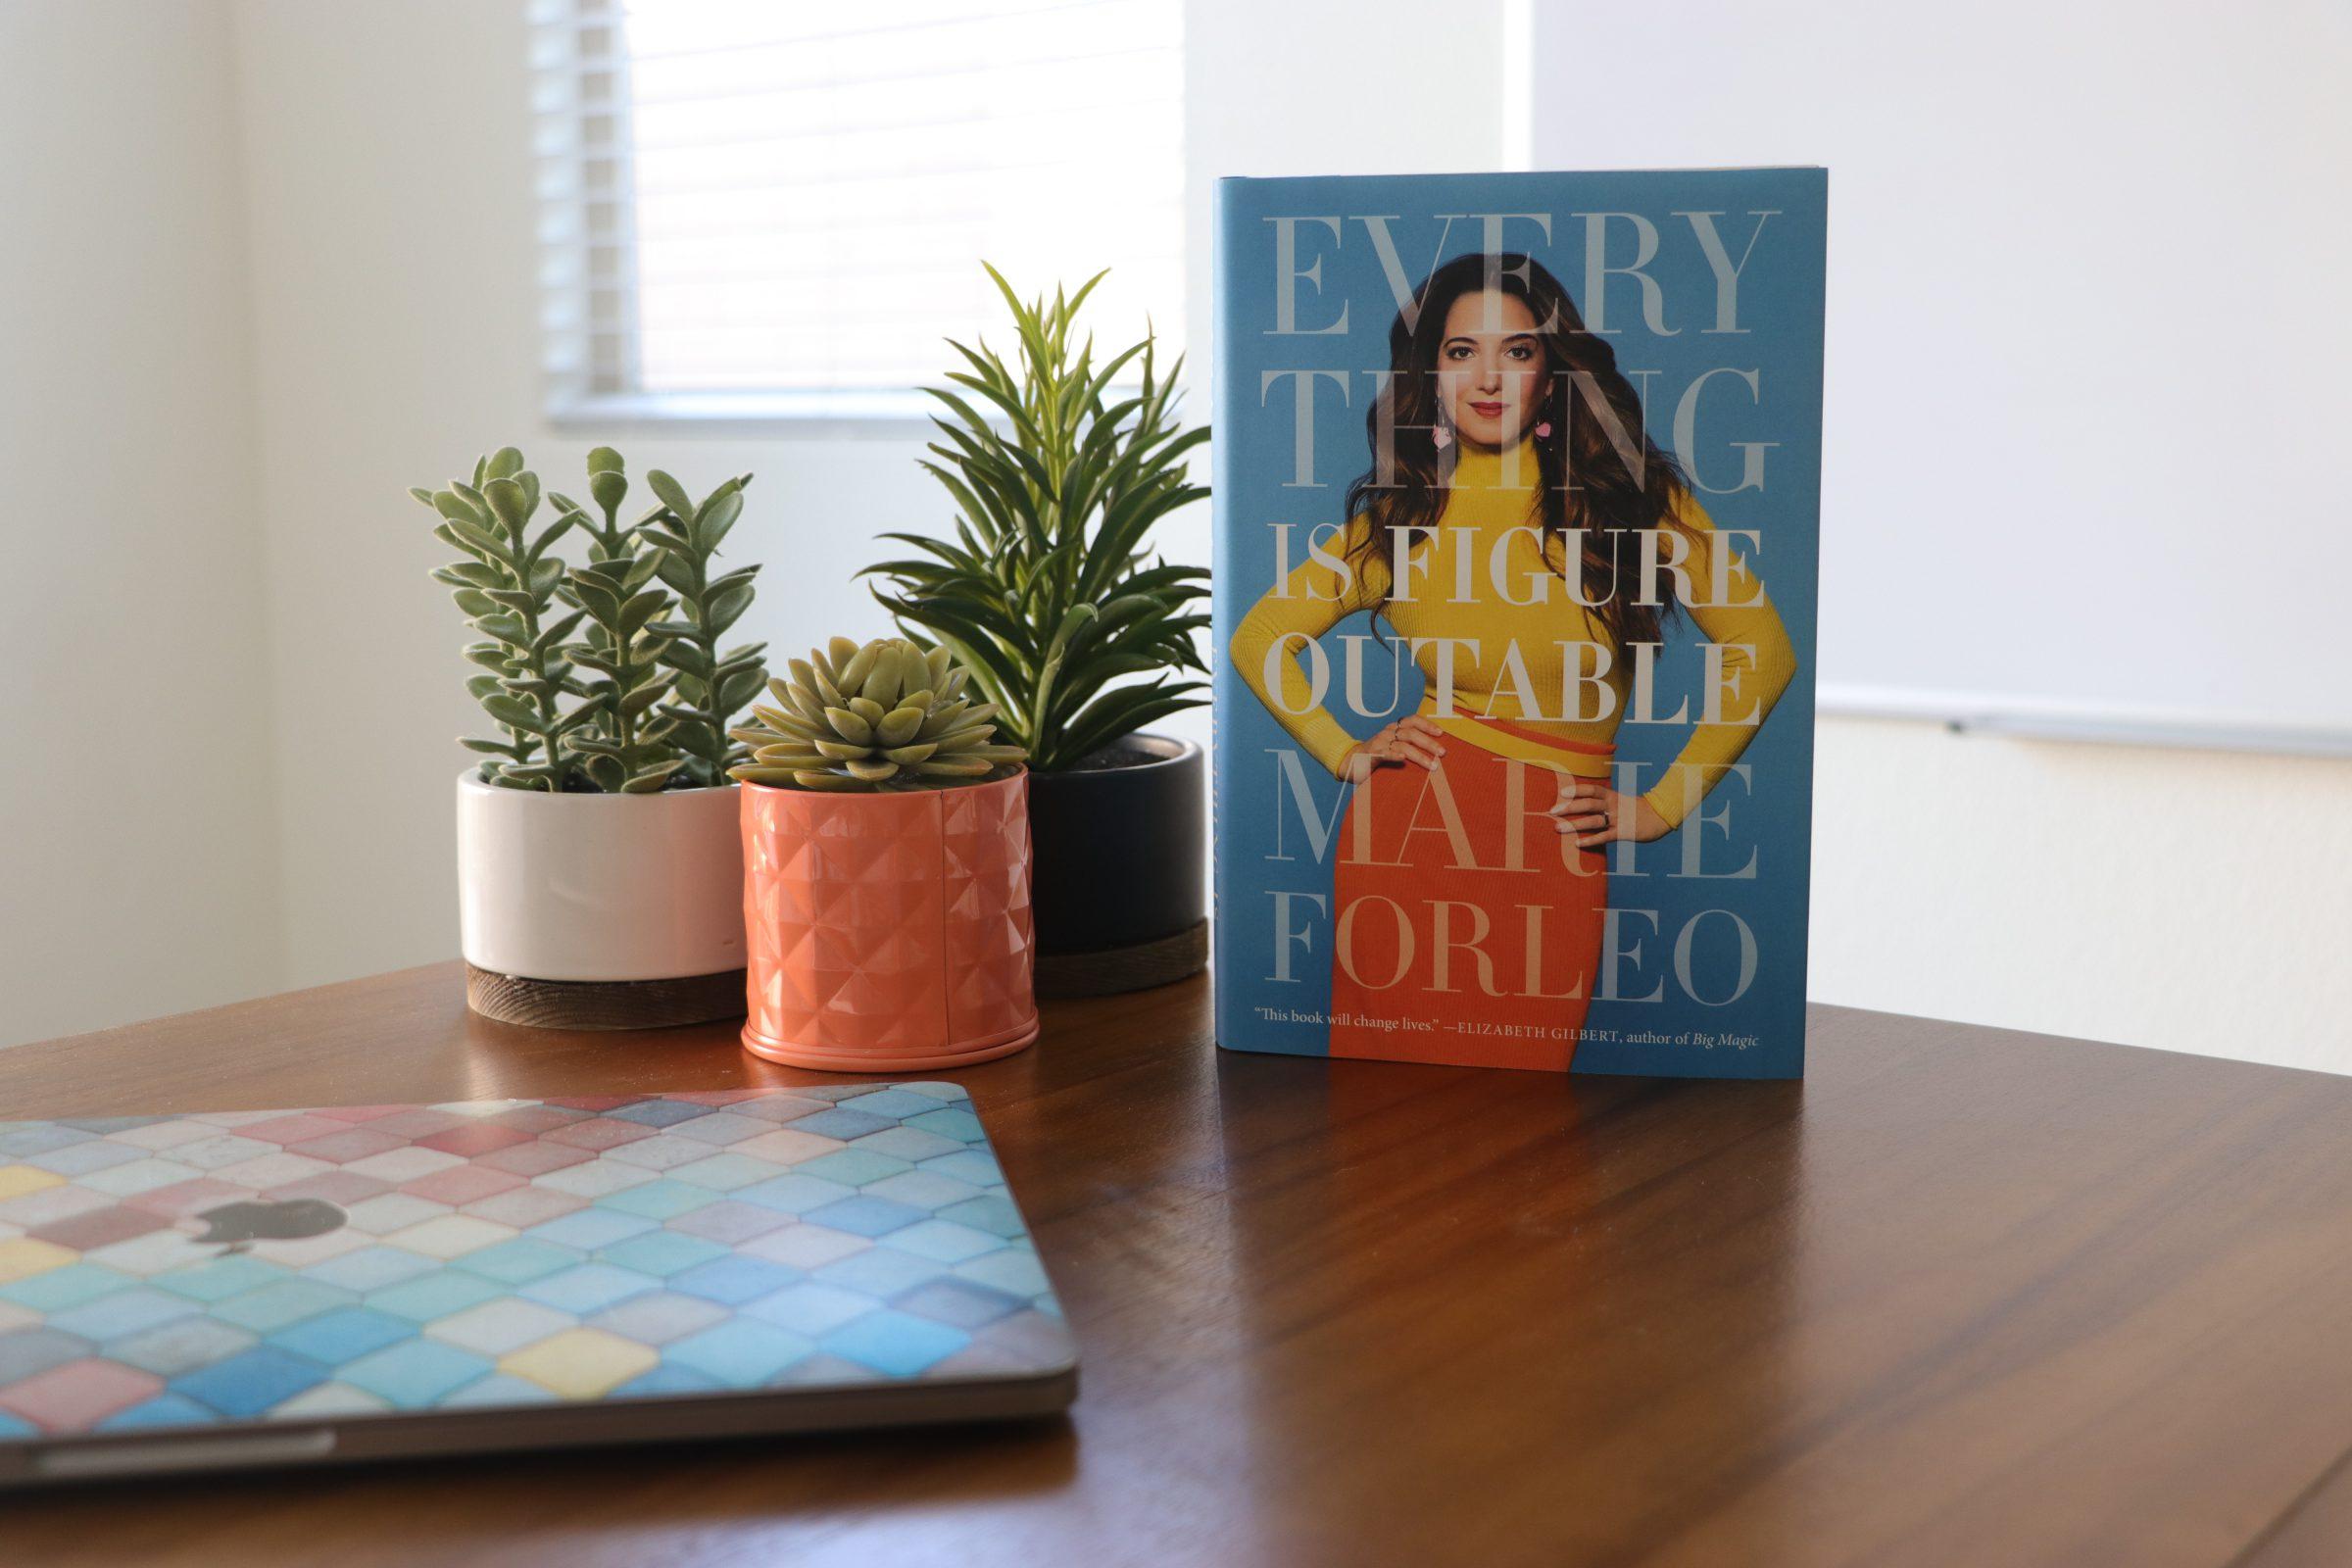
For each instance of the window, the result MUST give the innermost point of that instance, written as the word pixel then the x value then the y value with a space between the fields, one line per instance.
pixel 755 209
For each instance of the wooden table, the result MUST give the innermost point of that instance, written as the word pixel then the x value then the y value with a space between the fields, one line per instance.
pixel 1964 1297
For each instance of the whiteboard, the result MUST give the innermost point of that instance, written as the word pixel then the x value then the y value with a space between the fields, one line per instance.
pixel 2088 433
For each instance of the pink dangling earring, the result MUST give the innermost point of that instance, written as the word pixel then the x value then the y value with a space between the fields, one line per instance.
pixel 1543 431
pixel 1442 437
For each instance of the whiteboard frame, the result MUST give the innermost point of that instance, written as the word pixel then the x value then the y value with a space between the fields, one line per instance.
pixel 2121 724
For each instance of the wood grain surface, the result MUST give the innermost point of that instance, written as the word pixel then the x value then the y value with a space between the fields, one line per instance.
pixel 1964 1297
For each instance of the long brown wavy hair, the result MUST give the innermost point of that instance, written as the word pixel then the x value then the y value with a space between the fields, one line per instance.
pixel 1596 428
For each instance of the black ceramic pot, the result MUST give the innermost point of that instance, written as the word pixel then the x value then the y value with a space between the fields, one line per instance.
pixel 1120 895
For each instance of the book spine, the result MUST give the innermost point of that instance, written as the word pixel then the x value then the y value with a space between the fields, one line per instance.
pixel 1225 573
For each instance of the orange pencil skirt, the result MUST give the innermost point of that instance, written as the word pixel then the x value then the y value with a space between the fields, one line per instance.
pixel 1465 928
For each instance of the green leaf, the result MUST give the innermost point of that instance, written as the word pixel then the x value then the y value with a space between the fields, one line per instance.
pixel 468 574
pixel 550 636
pixel 597 596
pixel 726 606
pixel 640 610
pixel 692 732
pixel 470 536
pixel 718 515
pixel 548 536
pixel 673 494
pixel 509 502
pixel 736 690
pixel 586 713
pixel 460 509
pixel 1113 715
pixel 517 713
pixel 682 654
pixel 650 779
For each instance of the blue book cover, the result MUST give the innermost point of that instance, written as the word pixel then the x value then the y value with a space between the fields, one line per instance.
pixel 1518 495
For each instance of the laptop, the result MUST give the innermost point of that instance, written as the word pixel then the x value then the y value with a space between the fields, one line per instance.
pixel 362 1282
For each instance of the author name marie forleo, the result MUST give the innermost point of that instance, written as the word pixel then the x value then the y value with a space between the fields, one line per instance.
pixel 1497 946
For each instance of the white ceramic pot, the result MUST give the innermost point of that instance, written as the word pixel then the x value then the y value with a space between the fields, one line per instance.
pixel 600 887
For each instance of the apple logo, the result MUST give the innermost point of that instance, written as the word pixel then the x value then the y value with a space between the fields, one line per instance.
pixel 249 1220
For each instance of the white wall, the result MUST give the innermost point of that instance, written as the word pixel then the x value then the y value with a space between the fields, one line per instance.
pixel 2192 901
pixel 137 864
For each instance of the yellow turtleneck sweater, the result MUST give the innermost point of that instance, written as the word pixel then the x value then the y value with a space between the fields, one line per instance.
pixel 1538 663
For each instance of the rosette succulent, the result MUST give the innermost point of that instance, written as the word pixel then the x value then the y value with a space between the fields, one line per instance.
pixel 883 718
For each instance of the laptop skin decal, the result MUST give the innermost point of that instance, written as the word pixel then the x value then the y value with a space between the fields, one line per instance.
pixel 297 1265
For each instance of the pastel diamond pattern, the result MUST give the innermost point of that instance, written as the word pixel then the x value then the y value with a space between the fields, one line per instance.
pixel 18 1180
pixel 582 1363
pixel 516 1252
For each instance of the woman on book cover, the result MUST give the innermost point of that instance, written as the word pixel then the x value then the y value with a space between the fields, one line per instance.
pixel 1545 541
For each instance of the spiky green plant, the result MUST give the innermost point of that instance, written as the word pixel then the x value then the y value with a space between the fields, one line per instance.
pixel 1047 593
pixel 889 716
pixel 609 729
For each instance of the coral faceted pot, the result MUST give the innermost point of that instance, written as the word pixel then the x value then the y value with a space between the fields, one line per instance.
pixel 888 933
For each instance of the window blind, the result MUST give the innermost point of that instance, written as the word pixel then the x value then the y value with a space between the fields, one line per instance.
pixel 750 206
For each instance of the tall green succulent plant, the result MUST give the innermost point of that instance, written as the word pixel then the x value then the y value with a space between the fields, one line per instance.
pixel 712 685
pixel 1046 592
pixel 642 698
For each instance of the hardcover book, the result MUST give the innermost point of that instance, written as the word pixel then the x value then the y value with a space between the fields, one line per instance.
pixel 1517 494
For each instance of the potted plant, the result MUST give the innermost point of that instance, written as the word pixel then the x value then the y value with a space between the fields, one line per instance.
pixel 886 867
pixel 599 867
pixel 1059 468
